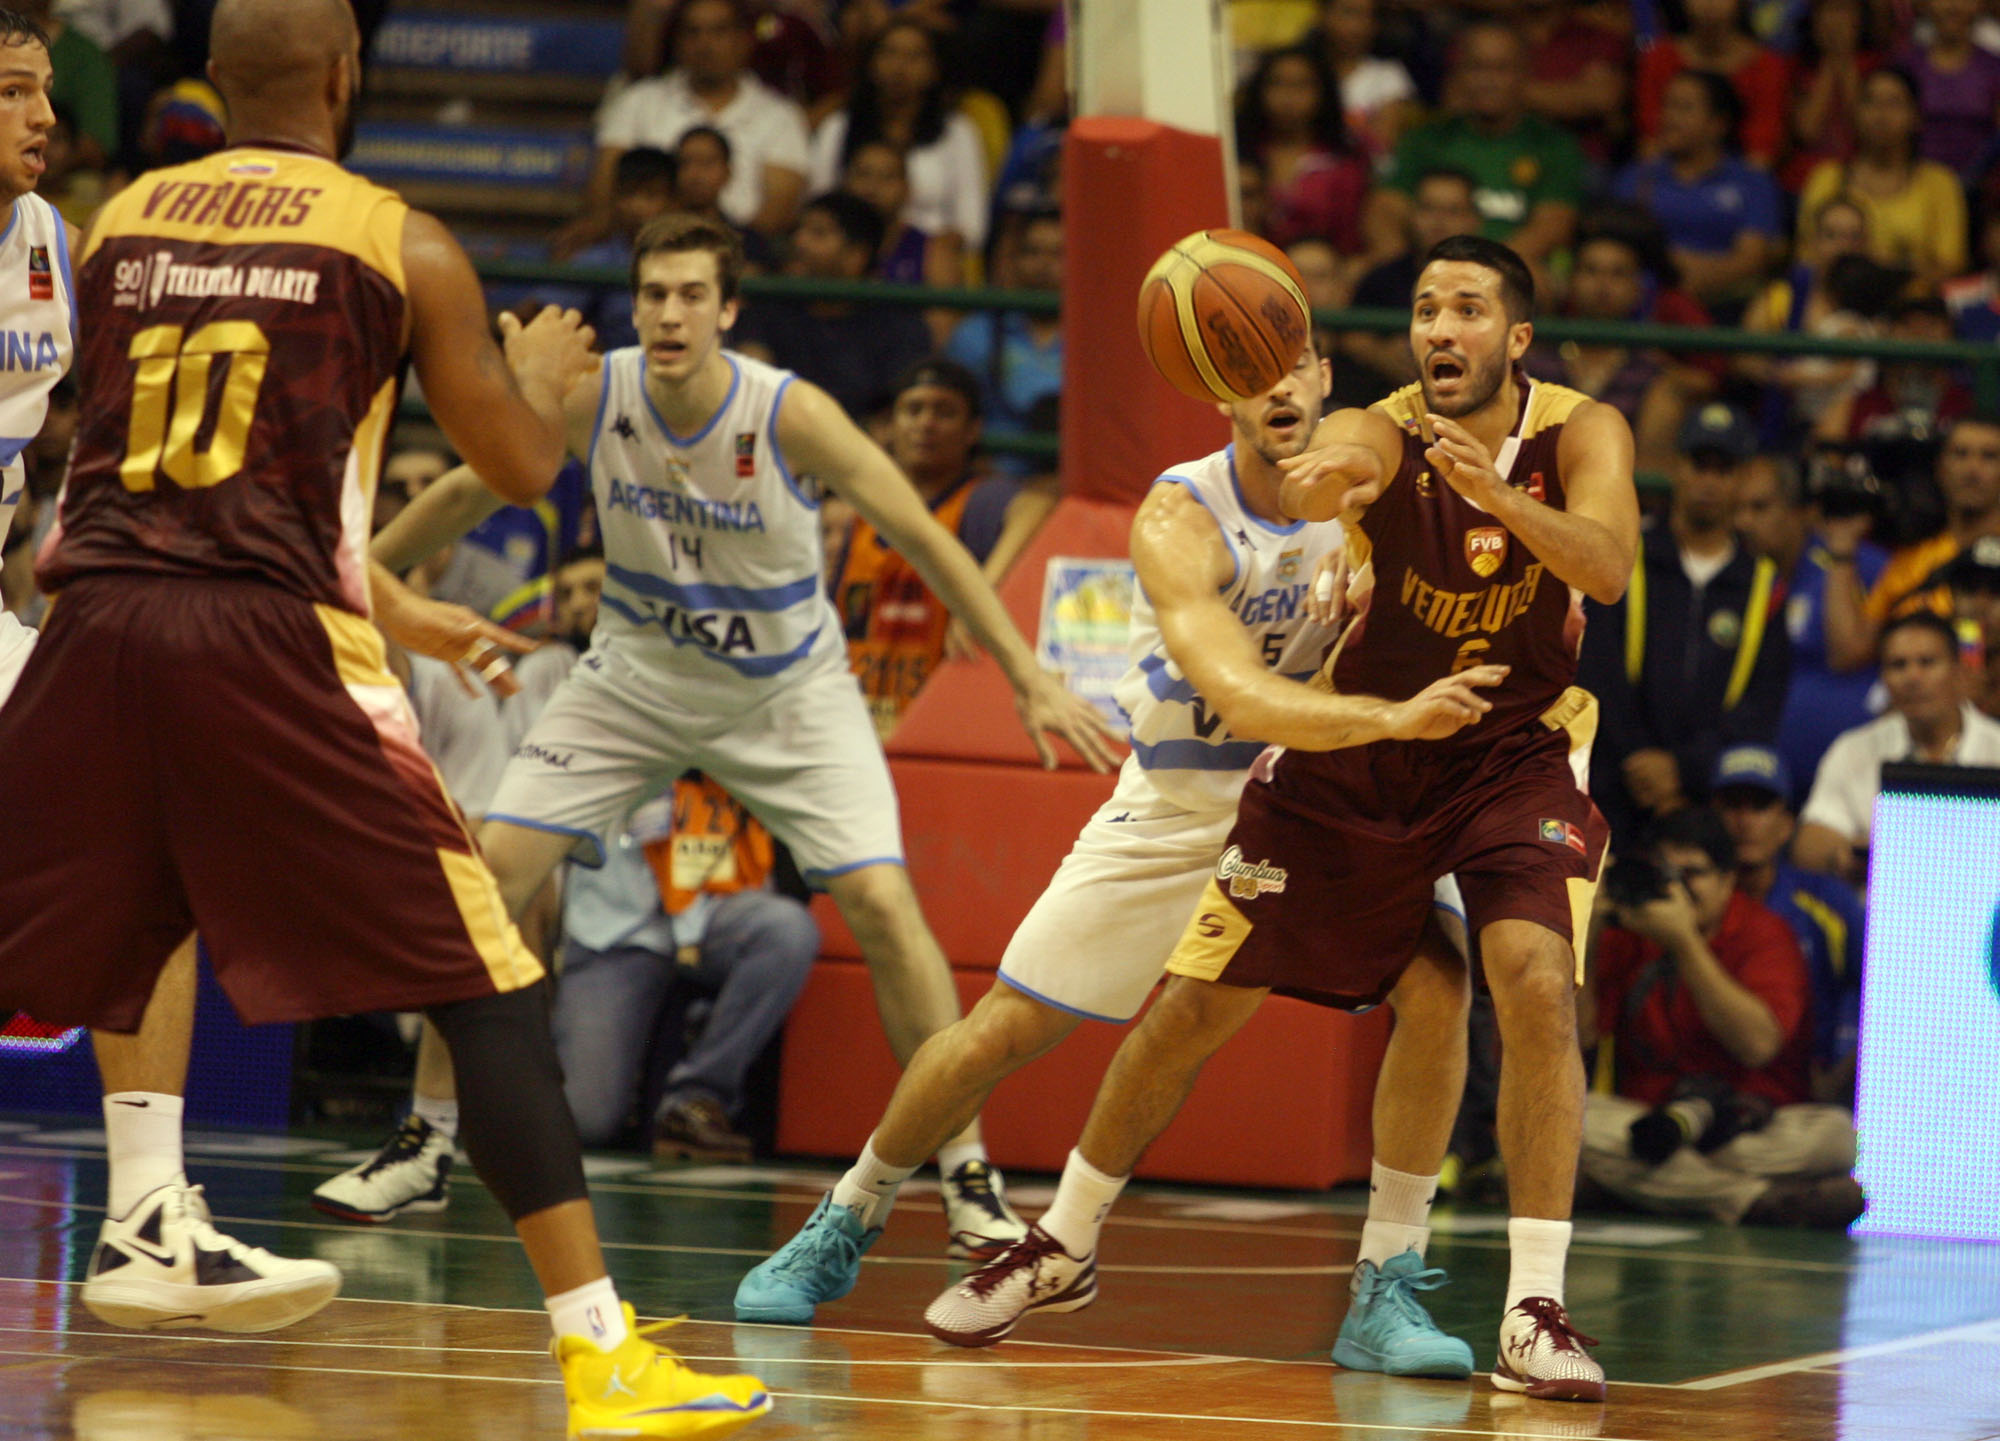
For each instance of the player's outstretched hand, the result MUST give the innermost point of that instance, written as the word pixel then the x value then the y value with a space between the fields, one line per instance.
pixel 554 347
pixel 1048 707
pixel 1329 481
pixel 474 647
pixel 1460 459
pixel 1445 707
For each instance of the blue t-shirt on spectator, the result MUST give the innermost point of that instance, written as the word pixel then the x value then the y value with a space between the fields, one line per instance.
pixel 1020 380
pixel 1707 214
pixel 1821 702
pixel 532 540
pixel 1826 916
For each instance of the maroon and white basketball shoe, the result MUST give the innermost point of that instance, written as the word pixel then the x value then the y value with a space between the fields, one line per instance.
pixel 1033 1274
pixel 1542 1354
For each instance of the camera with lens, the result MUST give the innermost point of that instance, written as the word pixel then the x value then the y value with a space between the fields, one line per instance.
pixel 1632 881
pixel 1703 1112
pixel 1842 483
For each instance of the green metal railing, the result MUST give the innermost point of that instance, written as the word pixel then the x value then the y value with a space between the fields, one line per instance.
pixel 1982 361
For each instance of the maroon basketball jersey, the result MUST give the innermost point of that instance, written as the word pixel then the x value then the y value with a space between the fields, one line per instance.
pixel 244 323
pixel 1452 587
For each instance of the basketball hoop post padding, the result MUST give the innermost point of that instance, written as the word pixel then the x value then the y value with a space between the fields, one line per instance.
pixel 1131 188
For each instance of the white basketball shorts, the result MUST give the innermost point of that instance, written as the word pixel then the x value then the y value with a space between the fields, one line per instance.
pixel 803 758
pixel 17 643
pixel 1097 940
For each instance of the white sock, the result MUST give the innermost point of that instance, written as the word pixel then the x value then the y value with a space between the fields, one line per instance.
pixel 869 1187
pixel 440 1116
pixel 1084 1197
pixel 142 1135
pixel 953 1154
pixel 590 1311
pixel 1539 1250
pixel 1399 1213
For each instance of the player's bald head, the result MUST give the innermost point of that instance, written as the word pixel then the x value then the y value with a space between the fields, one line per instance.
pixel 259 48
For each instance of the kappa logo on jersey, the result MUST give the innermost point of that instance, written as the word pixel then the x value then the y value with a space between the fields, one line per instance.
pixel 41 279
pixel 1249 879
pixel 1485 549
pixel 746 454
pixel 1565 833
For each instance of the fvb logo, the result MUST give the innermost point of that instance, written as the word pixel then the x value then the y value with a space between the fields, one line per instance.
pixel 1485 548
pixel 1249 879
pixel 24 1035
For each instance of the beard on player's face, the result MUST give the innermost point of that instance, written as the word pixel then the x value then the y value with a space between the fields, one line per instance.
pixel 1275 427
pixel 1476 383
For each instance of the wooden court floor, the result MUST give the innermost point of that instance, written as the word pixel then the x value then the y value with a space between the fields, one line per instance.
pixel 1215 1315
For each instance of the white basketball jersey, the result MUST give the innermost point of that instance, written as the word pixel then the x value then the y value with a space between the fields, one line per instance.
pixel 37 334
pixel 1187 752
pixel 712 551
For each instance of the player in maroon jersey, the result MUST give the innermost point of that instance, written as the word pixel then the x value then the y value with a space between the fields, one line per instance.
pixel 1479 504
pixel 207 734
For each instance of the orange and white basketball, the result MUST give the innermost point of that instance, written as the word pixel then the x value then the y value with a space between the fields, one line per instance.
pixel 1223 315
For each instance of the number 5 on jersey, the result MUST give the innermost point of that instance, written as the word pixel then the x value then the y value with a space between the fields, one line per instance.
pixel 170 402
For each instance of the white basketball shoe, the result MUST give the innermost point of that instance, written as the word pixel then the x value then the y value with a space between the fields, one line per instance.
pixel 412 1172
pixel 976 1213
pixel 165 1266
pixel 1542 1354
pixel 1033 1274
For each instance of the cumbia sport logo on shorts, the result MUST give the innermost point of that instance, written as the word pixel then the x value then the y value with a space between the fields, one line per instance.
pixel 1249 879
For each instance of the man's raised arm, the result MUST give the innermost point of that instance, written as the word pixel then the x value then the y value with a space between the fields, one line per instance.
pixel 1183 565
pixel 502 411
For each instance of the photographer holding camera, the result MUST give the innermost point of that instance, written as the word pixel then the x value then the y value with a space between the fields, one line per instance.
pixel 1698 1000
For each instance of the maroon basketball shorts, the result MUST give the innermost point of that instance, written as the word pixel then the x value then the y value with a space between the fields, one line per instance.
pixel 1326 901
pixel 219 754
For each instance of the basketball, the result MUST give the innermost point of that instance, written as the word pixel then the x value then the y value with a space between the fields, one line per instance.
pixel 1223 315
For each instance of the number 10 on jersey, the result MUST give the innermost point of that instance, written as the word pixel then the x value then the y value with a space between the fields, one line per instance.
pixel 170 402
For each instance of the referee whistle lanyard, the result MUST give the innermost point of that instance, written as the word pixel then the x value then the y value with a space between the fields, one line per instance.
pixel 1749 637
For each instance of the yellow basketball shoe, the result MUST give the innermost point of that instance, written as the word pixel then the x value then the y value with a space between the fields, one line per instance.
pixel 640 1389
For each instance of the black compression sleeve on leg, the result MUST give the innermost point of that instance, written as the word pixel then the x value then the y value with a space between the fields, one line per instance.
pixel 512 1114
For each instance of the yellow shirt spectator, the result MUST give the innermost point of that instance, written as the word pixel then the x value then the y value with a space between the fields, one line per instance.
pixel 1921 228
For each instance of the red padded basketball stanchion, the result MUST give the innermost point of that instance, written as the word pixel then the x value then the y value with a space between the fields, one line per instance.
pixel 1131 188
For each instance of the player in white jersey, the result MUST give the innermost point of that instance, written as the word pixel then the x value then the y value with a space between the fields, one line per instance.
pixel 1221 643
pixel 37 305
pixel 717 648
